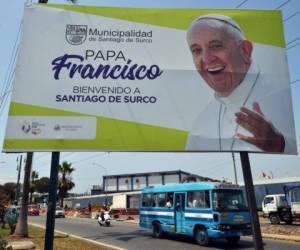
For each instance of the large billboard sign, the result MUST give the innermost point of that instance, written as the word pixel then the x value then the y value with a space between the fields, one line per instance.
pixel 125 79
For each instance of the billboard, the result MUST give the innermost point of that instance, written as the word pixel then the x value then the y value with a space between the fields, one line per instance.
pixel 126 79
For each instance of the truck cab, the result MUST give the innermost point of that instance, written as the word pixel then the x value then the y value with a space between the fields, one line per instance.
pixel 272 202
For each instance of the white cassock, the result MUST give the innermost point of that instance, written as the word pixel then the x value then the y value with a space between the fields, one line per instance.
pixel 215 127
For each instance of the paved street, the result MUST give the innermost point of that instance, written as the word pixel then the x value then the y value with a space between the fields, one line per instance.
pixel 131 236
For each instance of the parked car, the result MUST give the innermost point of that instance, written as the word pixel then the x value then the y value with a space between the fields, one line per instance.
pixel 59 212
pixel 33 209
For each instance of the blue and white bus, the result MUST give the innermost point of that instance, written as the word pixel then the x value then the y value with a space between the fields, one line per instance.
pixel 203 210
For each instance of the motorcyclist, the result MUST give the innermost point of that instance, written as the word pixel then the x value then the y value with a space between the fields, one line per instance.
pixel 104 217
pixel 102 211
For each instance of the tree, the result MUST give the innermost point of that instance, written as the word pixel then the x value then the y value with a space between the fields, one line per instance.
pixel 4 198
pixel 42 185
pixel 34 176
pixel 10 189
pixel 22 225
pixel 65 180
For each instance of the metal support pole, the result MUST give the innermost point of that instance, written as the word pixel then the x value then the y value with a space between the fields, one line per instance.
pixel 257 239
pixel 49 234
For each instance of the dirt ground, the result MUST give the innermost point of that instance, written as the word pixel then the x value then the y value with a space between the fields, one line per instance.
pixel 282 228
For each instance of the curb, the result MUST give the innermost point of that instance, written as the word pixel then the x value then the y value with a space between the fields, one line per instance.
pixel 80 238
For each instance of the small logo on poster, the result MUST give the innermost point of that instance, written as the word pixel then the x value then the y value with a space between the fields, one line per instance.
pixel 26 127
pixel 76 34
pixel 32 128
pixel 57 127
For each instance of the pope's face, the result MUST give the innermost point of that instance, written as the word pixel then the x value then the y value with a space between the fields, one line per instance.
pixel 220 59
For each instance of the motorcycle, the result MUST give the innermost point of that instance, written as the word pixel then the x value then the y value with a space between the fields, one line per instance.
pixel 106 220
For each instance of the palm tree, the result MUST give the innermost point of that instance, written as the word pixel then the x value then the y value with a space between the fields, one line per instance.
pixel 34 176
pixel 22 225
pixel 65 180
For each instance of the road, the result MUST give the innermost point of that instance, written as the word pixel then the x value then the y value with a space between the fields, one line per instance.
pixel 131 236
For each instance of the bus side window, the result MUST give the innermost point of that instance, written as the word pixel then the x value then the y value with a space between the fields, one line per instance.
pixel 169 200
pixel 161 199
pixel 154 200
pixel 207 199
pixel 198 199
pixel 147 199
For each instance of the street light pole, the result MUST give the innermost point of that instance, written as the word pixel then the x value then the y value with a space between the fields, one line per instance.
pixel 19 166
pixel 234 169
pixel 104 181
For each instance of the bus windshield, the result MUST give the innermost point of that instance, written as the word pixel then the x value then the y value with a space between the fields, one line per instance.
pixel 226 200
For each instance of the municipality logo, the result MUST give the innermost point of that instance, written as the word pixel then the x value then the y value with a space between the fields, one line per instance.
pixel 76 34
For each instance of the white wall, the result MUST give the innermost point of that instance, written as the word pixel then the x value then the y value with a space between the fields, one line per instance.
pixel 119 201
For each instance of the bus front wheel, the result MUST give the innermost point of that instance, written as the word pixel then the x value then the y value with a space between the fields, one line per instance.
pixel 157 230
pixel 201 236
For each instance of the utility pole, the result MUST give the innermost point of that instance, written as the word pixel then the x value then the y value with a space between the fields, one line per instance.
pixel 50 222
pixel 249 188
pixel 234 169
pixel 19 166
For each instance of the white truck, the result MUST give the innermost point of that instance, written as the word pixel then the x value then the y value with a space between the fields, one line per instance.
pixel 283 207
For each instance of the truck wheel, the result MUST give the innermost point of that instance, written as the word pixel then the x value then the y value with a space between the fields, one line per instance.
pixel 157 230
pixel 274 219
pixel 233 240
pixel 201 236
pixel 288 219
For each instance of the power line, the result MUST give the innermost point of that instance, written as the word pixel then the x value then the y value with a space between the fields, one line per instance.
pixel 291 16
pixel 298 80
pixel 41 156
pixel 67 155
pixel 294 40
pixel 240 4
pixel 281 5
pixel 88 158
pixel 9 74
pixel 11 63
pixel 293 46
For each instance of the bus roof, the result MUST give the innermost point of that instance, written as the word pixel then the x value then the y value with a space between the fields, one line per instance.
pixel 190 186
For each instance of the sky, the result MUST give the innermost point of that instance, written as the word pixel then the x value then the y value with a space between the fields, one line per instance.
pixel 89 167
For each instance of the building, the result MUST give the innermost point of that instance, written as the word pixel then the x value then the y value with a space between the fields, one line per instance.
pixel 138 181
pixel 271 186
pixel 123 191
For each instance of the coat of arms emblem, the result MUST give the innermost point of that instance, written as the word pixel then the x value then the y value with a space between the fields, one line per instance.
pixel 76 34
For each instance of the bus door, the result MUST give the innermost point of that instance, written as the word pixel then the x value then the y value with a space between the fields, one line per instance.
pixel 179 212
